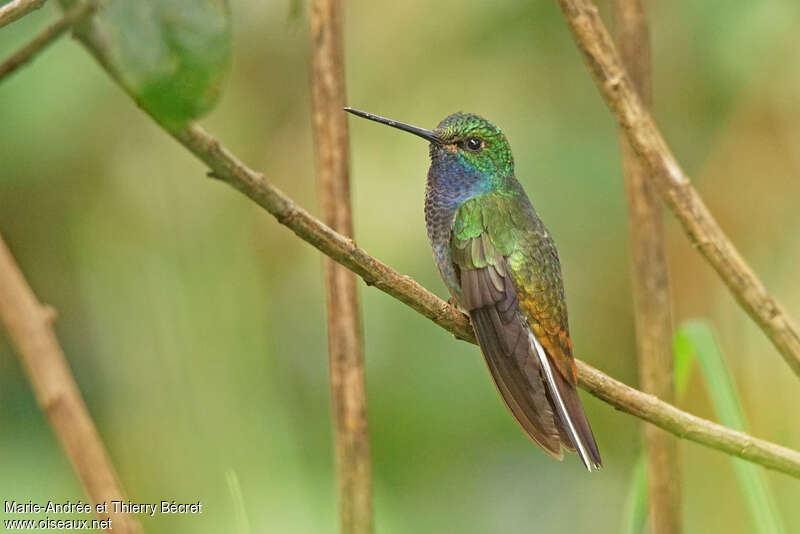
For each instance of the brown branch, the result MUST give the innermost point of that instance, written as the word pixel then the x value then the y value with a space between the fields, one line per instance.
pixel 29 325
pixel 651 294
pixel 688 426
pixel 17 9
pixel 345 343
pixel 374 272
pixel 673 184
pixel 225 166
pixel 46 37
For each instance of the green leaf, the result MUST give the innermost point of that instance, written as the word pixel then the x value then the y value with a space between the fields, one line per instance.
pixel 636 502
pixel 242 522
pixel 171 55
pixel 697 339
pixel 635 515
pixel 683 364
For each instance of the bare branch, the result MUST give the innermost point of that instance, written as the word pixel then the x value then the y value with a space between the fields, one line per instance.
pixel 673 184
pixel 688 426
pixel 650 284
pixel 17 9
pixel 374 272
pixel 46 37
pixel 345 343
pixel 29 325
pixel 225 166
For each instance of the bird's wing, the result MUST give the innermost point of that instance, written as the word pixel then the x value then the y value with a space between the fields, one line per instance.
pixel 489 295
pixel 536 276
pixel 511 286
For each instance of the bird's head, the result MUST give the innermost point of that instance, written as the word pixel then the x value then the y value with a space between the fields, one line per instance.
pixel 469 139
pixel 475 142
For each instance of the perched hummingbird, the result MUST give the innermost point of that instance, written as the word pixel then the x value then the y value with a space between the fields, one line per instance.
pixel 501 266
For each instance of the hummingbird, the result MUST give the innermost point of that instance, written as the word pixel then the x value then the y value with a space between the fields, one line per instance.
pixel 501 266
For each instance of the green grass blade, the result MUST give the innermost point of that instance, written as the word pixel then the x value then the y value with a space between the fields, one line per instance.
pixel 683 357
pixel 696 338
pixel 636 502
pixel 242 522
pixel 635 515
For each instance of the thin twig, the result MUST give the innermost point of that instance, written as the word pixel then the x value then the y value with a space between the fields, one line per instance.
pixel 688 426
pixel 345 343
pixel 29 325
pixel 595 42
pixel 46 37
pixel 650 284
pixel 254 185
pixel 17 9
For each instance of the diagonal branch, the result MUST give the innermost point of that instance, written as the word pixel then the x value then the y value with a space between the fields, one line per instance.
pixel 595 42
pixel 28 51
pixel 17 9
pixel 29 325
pixel 688 426
pixel 651 296
pixel 345 341
pixel 374 272
pixel 254 185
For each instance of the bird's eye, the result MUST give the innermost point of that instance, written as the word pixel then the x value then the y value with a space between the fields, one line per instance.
pixel 474 144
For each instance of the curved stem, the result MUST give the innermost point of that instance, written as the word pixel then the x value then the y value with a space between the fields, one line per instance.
pixel 29 324
pixel 641 132
pixel 46 37
pixel 17 9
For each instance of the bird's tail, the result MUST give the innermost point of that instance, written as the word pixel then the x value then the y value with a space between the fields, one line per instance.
pixel 567 404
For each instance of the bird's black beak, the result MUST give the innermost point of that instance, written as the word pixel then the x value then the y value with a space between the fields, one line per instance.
pixel 430 135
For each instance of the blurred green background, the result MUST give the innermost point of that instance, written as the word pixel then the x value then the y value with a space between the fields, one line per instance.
pixel 194 323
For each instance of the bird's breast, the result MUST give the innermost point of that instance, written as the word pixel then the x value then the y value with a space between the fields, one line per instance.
pixel 449 185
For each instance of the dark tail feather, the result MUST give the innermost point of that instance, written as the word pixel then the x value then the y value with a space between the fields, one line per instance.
pixel 569 394
pixel 527 402
pixel 570 414
pixel 521 369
